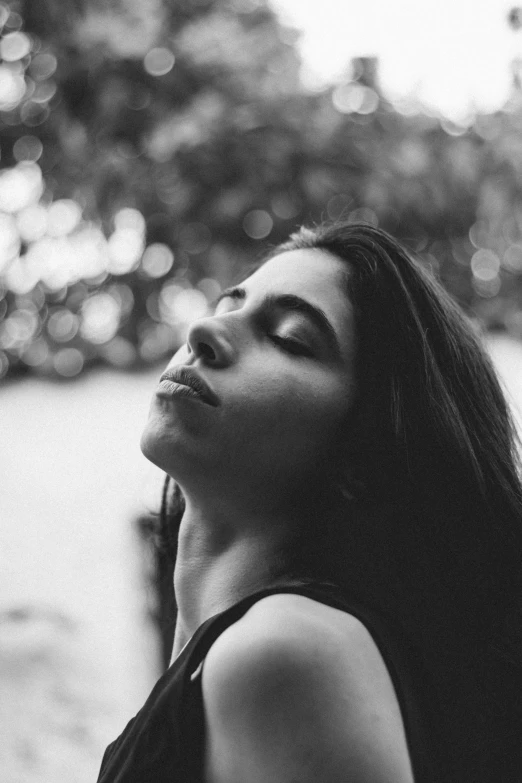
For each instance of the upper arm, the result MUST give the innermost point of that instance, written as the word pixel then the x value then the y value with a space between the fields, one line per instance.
pixel 289 704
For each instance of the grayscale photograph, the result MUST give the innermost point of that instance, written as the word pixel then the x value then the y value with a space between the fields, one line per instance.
pixel 260 391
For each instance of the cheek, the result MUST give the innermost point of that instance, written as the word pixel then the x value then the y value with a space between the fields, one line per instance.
pixel 295 415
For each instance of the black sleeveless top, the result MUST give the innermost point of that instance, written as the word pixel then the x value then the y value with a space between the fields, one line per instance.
pixel 164 742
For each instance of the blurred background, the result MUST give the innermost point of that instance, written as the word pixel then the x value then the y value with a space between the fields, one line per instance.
pixel 149 149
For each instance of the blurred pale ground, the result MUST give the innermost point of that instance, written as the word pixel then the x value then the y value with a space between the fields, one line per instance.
pixel 77 652
pixel 73 479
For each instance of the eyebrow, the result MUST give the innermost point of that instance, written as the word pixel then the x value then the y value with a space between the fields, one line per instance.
pixel 293 303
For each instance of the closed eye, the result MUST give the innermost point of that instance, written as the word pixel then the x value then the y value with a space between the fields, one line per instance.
pixel 288 344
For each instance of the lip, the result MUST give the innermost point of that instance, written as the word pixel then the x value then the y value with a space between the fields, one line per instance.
pixel 186 382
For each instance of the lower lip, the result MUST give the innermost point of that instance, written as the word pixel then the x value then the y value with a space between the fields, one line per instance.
pixel 169 389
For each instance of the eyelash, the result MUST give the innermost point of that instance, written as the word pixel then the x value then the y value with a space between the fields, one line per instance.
pixel 293 347
pixel 290 346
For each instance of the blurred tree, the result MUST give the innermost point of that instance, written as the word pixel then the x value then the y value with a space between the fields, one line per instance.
pixel 150 149
pixel 157 107
pixel 515 18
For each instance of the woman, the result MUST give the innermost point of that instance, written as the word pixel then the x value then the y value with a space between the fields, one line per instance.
pixel 346 527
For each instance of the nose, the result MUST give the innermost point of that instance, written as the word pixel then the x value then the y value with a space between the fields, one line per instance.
pixel 207 340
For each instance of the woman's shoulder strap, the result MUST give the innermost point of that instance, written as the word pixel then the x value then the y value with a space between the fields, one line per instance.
pixel 377 630
pixel 293 674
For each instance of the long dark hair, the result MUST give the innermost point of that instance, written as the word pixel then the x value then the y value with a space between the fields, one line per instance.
pixel 431 529
pixel 430 428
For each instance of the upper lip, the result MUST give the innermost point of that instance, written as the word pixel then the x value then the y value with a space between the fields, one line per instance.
pixel 187 376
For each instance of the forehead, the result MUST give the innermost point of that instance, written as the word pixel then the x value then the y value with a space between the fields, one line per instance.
pixel 313 274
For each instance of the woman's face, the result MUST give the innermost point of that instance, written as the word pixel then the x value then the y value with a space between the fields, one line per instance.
pixel 277 355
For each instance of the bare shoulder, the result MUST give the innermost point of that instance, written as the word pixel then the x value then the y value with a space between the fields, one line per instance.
pixel 302 689
pixel 294 630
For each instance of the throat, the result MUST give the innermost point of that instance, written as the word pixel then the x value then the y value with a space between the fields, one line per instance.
pixel 217 569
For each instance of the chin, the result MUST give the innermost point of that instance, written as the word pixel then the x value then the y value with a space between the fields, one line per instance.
pixel 169 453
pixel 150 448
pixel 156 444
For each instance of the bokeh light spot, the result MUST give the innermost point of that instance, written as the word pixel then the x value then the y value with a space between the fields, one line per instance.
pixel 100 318
pixel 33 114
pixel 63 217
pixel 257 224
pixel 9 240
pixel 53 261
pixel 354 97
pixel 18 329
pixel 159 61
pixel 363 215
pixel 512 258
pixel 210 288
pixel 14 21
pixel 27 148
pixel 285 206
pixel 89 247
pixel 156 341
pixel 12 88
pixel 179 305
pixel 43 65
pixel 68 362
pixel 189 305
pixel 20 276
pixel 4 14
pixel 62 325
pixel 119 352
pixel 44 92
pixel 167 299
pixel 129 218
pixel 36 354
pixel 485 265
pixel 123 295
pixel 30 87
pixel 125 248
pixel 14 46
pixel 487 289
pixel 157 260
pixel 20 186
pixel 478 233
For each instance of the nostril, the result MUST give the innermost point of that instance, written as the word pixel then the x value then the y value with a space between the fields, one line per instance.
pixel 205 341
pixel 205 350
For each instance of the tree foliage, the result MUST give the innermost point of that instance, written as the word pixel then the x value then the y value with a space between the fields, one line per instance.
pixel 151 148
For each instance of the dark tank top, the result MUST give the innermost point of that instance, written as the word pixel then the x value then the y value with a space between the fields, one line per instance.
pixel 164 742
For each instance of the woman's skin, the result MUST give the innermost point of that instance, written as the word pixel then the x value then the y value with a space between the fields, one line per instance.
pixel 295 690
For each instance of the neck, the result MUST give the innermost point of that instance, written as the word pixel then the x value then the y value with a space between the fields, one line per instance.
pixel 222 558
